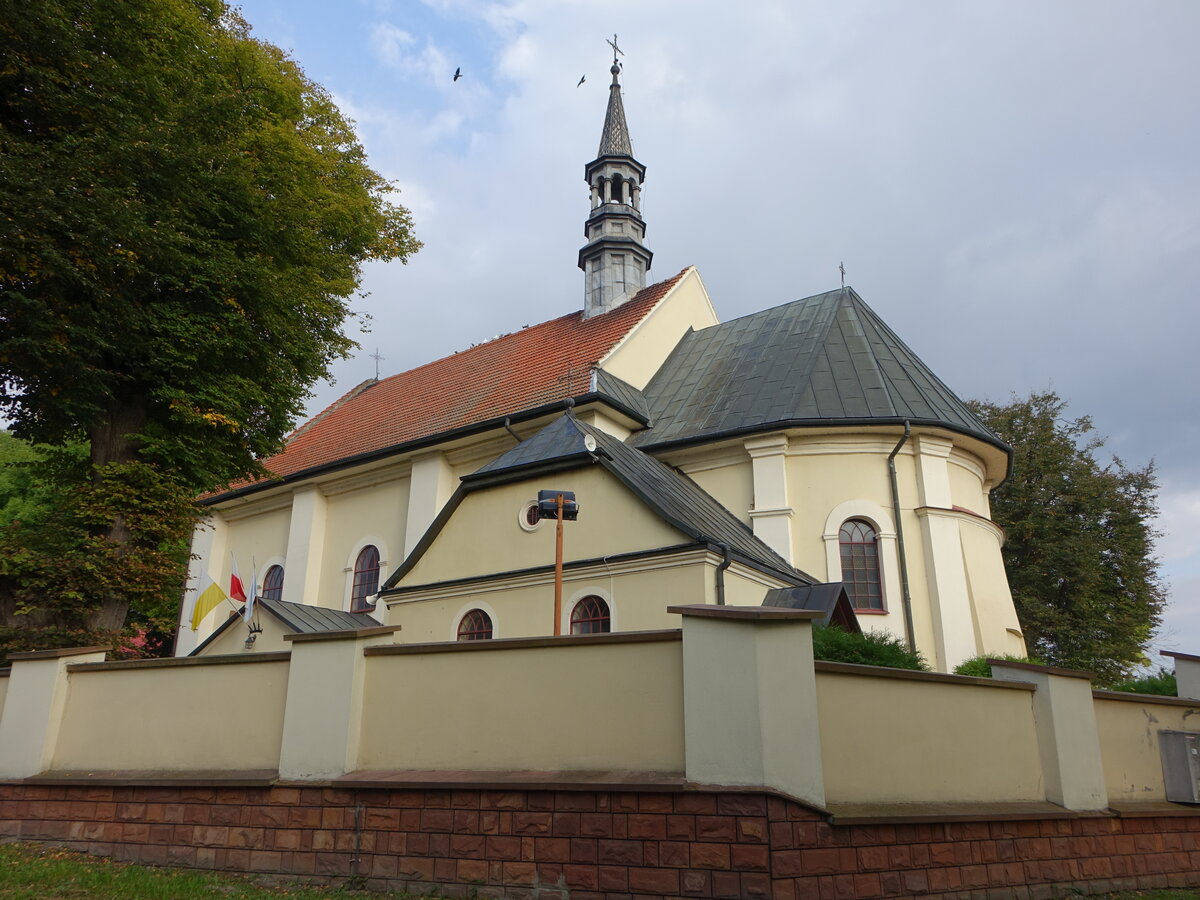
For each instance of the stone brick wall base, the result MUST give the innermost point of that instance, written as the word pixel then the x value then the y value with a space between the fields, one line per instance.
pixel 599 845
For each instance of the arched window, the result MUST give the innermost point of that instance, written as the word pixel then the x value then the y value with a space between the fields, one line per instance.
pixel 590 616
pixel 272 588
pixel 475 626
pixel 366 579
pixel 859 546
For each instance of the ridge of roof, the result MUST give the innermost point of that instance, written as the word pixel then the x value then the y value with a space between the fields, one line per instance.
pixel 521 370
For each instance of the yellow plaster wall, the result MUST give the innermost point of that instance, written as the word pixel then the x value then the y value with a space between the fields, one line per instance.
pixel 642 353
pixel 256 538
pixel 832 469
pixel 991 601
pixel 741 587
pixel 605 707
pixel 233 639
pixel 966 484
pixel 378 512
pixel 638 601
pixel 1129 744
pixel 900 740
pixel 732 484
pixel 179 718
pixel 483 536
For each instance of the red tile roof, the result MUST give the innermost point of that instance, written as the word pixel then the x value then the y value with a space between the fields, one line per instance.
pixel 519 371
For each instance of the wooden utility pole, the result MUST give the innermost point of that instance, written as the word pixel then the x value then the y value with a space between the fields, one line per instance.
pixel 558 535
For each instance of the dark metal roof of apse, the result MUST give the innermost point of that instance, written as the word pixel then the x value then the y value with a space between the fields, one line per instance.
pixel 826 359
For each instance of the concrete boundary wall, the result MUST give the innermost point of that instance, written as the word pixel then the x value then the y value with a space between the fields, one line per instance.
pixel 889 736
pixel 218 713
pixel 283 761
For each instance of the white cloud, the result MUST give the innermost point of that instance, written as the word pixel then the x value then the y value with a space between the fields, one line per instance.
pixel 400 51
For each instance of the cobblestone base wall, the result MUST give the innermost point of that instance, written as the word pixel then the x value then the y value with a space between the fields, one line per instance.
pixel 599 845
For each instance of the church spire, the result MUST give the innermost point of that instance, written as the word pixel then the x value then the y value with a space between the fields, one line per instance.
pixel 614 140
pixel 615 259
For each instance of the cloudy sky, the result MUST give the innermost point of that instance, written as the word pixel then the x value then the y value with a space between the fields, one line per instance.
pixel 1012 184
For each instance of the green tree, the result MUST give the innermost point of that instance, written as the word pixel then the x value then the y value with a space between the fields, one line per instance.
pixel 1079 544
pixel 183 221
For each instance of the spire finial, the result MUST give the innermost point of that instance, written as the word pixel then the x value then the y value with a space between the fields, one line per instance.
pixel 613 43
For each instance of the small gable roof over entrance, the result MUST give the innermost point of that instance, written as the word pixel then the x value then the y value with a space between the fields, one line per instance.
pixel 298 618
pixel 824 360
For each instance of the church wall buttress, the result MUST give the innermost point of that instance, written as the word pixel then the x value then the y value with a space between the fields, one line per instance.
pixel 209 546
pixel 305 547
pixel 432 484
pixel 771 517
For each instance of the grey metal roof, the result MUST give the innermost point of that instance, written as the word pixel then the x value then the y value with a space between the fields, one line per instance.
pixel 829 598
pixel 672 495
pixel 614 139
pixel 822 360
pixel 623 393
pixel 304 619
pixel 557 440
pixel 298 619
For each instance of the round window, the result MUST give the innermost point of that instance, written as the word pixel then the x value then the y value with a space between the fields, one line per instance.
pixel 528 518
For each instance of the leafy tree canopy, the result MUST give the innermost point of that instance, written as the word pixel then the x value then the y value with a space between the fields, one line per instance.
pixel 186 216
pixel 183 221
pixel 1080 540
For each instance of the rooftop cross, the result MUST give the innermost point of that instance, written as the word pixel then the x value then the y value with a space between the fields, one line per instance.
pixel 375 356
pixel 842 269
pixel 616 49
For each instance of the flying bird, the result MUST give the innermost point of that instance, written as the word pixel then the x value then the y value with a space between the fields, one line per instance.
pixel 582 79
pixel 458 73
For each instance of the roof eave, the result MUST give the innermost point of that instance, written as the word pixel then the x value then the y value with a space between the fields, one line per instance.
pixel 495 423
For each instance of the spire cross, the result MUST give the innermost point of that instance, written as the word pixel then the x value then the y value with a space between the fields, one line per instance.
pixel 616 49
pixel 375 356
pixel 842 269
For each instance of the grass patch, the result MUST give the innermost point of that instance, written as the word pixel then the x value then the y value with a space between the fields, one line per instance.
pixel 30 872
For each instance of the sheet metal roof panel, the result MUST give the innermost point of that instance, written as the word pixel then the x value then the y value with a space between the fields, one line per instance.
pixel 684 503
pixel 824 357
pixel 315 619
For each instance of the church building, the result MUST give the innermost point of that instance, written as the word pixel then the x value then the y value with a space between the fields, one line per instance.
pixel 802 455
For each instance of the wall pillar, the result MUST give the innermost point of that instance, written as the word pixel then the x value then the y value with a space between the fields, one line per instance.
pixel 1064 715
pixel 33 707
pixel 209 546
pixel 322 717
pixel 305 547
pixel 1187 674
pixel 771 516
pixel 431 484
pixel 750 699
pixel 949 595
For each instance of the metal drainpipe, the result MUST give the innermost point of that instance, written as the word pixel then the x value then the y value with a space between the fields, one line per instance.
pixel 725 564
pixel 906 597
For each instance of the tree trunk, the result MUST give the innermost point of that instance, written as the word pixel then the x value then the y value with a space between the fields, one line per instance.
pixel 114 442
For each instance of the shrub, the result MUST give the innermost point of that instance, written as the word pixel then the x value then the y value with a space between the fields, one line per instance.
pixel 977 666
pixel 1160 682
pixel 871 648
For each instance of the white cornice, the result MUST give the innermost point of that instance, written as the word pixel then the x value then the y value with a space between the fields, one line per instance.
pixel 938 512
pixel 570 576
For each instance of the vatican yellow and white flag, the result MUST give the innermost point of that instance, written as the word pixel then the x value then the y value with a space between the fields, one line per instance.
pixel 210 596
